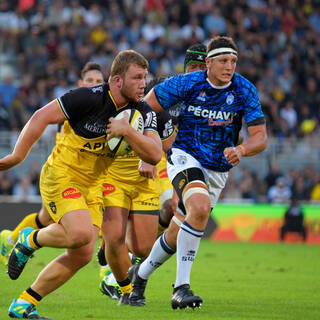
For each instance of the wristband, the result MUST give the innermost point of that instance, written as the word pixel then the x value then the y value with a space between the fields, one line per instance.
pixel 243 149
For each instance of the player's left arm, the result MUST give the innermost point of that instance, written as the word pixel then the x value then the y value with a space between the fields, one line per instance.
pixel 152 101
pixel 169 92
pixel 147 145
pixel 167 143
pixel 256 142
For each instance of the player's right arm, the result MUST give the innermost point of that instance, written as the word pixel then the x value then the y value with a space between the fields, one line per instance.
pixel 153 102
pixel 32 131
pixel 168 93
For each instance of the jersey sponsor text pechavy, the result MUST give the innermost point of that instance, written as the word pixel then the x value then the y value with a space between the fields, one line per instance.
pixel 87 111
pixel 212 116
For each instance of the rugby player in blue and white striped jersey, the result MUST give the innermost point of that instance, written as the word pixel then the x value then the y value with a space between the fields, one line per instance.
pixel 215 102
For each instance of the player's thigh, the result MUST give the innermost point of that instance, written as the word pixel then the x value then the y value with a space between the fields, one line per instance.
pixel 44 216
pixel 78 223
pixel 114 224
pixel 61 192
pixel 84 254
pixel 143 222
pixel 142 232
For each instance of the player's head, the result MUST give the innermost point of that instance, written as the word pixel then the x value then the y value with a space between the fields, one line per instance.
pixel 91 75
pixel 128 73
pixel 195 58
pixel 222 56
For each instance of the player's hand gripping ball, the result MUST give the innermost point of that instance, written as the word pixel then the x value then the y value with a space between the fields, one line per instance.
pixel 118 144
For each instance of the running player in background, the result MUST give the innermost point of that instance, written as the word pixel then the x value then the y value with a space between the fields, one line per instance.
pixel 70 182
pixel 204 151
pixel 194 61
pixel 91 75
pixel 148 188
pixel 131 202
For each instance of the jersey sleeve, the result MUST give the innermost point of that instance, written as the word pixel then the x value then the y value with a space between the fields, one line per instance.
pixel 149 116
pixel 77 103
pixel 253 114
pixel 152 83
pixel 165 125
pixel 172 90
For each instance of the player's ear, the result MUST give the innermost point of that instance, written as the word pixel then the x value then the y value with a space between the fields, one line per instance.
pixel 80 83
pixel 208 61
pixel 117 81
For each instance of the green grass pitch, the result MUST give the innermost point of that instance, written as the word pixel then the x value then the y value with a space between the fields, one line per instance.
pixel 237 281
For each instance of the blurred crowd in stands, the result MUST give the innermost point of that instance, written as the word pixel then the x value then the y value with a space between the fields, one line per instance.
pixel 48 42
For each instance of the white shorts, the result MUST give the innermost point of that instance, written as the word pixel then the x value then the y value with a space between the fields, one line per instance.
pixel 215 180
pixel 165 195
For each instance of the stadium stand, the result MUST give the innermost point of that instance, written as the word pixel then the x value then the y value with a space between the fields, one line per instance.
pixel 44 44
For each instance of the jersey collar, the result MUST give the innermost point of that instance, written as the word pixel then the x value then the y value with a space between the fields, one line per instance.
pixel 219 87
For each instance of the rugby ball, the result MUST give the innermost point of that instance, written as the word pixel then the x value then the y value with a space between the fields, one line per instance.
pixel 118 145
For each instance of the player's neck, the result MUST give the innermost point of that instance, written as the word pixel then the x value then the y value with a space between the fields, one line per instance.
pixel 215 83
pixel 117 97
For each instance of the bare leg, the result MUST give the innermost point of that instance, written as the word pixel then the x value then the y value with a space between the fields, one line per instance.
pixel 60 270
pixel 68 234
pixel 113 228
pixel 141 233
pixel 44 216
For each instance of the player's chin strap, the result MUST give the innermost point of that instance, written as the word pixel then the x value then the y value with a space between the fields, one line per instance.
pixel 212 54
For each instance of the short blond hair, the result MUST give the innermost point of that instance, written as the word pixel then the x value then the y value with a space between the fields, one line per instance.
pixel 124 59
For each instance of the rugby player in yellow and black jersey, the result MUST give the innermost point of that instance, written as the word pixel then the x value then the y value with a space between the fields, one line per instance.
pixel 132 204
pixel 91 75
pixel 71 178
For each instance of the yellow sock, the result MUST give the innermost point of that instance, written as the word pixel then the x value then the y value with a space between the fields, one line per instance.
pixel 33 245
pixel 126 289
pixel 28 221
pixel 26 296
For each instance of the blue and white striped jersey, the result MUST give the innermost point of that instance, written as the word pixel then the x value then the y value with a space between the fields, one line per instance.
pixel 211 117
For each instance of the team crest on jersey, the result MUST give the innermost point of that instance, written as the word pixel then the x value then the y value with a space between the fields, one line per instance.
pixel 182 159
pixel 202 96
pixel 53 207
pixel 71 193
pixel 108 188
pixel 230 98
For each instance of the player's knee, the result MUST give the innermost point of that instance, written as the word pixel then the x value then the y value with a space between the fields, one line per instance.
pixel 197 202
pixel 80 259
pixel 201 212
pixel 115 241
pixel 79 238
pixel 166 213
pixel 142 250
